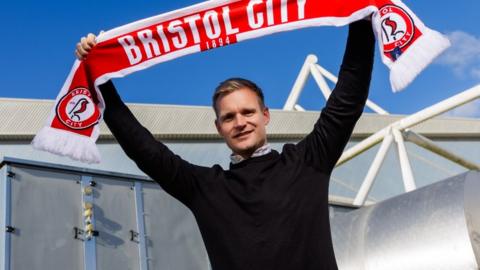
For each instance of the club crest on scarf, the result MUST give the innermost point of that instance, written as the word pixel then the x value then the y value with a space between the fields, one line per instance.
pixel 77 110
pixel 398 30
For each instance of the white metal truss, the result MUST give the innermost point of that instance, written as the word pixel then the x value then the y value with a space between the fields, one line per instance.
pixel 319 74
pixel 397 132
pixel 401 129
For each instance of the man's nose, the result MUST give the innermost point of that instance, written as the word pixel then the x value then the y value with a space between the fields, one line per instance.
pixel 240 121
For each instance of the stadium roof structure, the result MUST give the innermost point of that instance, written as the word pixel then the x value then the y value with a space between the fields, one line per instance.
pixel 21 119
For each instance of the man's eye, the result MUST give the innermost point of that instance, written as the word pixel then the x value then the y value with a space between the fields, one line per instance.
pixel 227 118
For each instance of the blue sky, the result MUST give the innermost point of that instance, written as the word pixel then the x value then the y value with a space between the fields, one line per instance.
pixel 39 39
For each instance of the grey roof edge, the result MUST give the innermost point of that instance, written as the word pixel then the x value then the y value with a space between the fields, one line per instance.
pixel 5 160
pixel 20 119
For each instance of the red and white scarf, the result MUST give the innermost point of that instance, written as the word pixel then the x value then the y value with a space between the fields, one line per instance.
pixel 407 46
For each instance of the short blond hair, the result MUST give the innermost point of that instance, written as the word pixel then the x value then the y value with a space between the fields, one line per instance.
pixel 233 84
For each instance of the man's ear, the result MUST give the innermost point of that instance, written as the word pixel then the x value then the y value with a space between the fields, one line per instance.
pixel 266 115
pixel 217 126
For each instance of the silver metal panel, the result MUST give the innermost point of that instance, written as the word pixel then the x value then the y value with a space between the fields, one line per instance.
pixel 174 241
pixel 472 211
pixel 45 209
pixel 114 211
pixel 4 218
pixel 424 229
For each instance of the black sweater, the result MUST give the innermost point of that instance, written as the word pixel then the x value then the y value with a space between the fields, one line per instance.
pixel 267 212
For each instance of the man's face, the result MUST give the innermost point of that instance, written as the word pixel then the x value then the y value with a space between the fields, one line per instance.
pixel 241 121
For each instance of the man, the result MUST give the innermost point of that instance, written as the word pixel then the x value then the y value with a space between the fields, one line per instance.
pixel 270 209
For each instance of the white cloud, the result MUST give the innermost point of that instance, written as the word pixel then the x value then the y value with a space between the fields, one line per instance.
pixel 463 56
pixel 471 110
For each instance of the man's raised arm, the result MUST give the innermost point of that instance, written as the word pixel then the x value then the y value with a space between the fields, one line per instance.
pixel 324 145
pixel 150 155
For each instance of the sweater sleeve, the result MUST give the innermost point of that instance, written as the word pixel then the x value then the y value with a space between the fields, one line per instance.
pixel 174 174
pixel 324 145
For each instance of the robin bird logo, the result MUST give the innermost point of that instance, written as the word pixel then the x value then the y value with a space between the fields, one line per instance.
pixel 80 107
pixel 398 31
pixel 387 22
pixel 77 109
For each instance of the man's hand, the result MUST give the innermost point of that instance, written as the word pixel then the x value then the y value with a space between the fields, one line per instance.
pixel 84 46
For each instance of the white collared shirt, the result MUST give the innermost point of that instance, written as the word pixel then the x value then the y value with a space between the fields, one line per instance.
pixel 235 159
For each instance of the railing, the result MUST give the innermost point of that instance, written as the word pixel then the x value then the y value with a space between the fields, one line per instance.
pixel 397 132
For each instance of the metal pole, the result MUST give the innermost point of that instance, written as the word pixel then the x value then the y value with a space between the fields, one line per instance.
pixel 362 146
pixel 140 216
pixel 439 108
pixel 372 172
pixel 327 74
pixel 432 146
pixel 322 84
pixel 370 104
pixel 298 108
pixel 89 243
pixel 7 203
pixel 374 107
pixel 407 175
pixel 299 83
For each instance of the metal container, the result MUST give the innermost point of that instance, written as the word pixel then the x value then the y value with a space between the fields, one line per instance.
pixel 59 217
pixel 434 227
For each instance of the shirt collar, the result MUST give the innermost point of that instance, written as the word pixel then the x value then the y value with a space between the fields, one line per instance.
pixel 235 159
